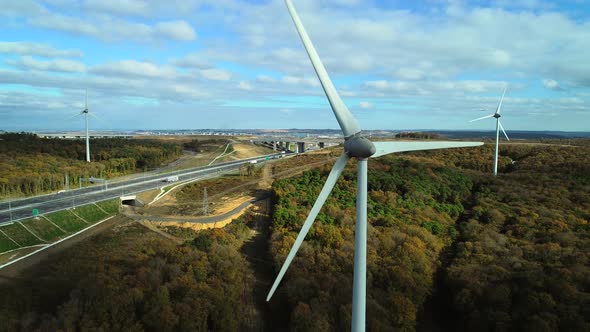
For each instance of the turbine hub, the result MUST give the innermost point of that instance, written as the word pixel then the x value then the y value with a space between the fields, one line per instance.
pixel 359 147
pixel 497 116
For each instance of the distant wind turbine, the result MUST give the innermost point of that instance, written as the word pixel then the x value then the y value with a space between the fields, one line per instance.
pixel 86 113
pixel 498 127
pixel 356 145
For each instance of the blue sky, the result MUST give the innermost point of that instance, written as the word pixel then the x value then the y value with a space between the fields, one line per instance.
pixel 155 64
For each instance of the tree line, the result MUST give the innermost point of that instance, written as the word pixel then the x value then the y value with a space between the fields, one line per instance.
pixel 32 165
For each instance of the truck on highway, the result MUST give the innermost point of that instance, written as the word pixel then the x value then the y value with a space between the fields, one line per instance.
pixel 253 161
pixel 171 179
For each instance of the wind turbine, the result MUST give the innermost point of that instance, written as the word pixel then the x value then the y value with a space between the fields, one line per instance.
pixel 498 127
pixel 356 145
pixel 86 113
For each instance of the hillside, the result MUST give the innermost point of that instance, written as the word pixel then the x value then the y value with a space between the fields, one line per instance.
pixel 507 253
pixel 30 165
pixel 451 248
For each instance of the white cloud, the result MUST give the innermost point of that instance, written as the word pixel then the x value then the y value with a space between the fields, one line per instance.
pixel 551 84
pixel 436 87
pixel 111 28
pixel 38 49
pixel 57 65
pixel 133 68
pixel 500 58
pixel 365 104
pixel 216 74
pixel 177 30
pixel 304 81
pixel 118 7
pixel 243 85
pixel 193 60
pixel 265 79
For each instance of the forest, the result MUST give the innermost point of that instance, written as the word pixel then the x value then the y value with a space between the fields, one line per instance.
pixel 482 253
pixel 30 165
pixel 131 279
pixel 451 248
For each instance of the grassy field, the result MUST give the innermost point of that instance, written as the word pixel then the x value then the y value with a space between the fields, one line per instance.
pixel 111 206
pixel 90 213
pixel 21 235
pixel 44 229
pixel 6 244
pixel 66 220
pixel 57 225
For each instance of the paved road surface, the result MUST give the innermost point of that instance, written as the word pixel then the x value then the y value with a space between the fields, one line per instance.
pixel 21 209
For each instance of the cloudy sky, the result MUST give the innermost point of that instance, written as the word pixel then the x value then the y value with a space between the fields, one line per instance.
pixel 398 64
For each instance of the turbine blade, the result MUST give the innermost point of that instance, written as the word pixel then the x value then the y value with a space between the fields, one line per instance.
pixel 328 186
pixel 108 125
pixel 86 100
pixel 501 99
pixel 483 117
pixel 384 148
pixel 73 116
pixel 346 120
pixel 502 127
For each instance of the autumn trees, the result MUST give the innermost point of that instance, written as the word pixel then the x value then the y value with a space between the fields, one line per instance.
pixel 521 261
pixel 133 280
pixel 515 247
pixel 495 254
pixel 412 210
pixel 31 165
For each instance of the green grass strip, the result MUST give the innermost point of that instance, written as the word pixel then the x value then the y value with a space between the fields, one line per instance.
pixel 43 228
pixel 21 235
pixel 66 220
pixel 90 213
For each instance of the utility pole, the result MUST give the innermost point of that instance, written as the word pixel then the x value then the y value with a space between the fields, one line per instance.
pixel 205 202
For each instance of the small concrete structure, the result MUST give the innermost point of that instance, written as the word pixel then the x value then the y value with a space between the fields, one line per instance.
pixel 130 200
pixel 300 147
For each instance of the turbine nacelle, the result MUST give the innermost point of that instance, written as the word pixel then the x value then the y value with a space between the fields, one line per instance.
pixel 497 115
pixel 359 147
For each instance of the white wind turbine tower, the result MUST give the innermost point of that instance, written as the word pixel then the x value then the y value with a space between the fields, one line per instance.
pixel 356 145
pixel 86 113
pixel 498 127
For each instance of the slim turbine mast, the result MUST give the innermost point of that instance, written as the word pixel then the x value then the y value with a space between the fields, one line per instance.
pixel 85 111
pixel 355 146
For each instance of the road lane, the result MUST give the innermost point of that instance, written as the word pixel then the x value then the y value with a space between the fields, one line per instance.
pixel 21 209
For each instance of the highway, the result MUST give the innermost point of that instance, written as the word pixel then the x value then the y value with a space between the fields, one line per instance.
pixel 23 208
